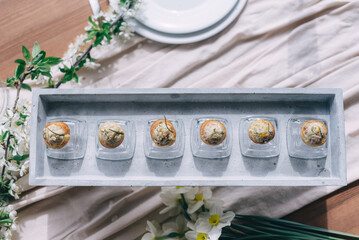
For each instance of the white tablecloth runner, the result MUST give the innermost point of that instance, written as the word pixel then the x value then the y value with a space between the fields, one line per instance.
pixel 293 43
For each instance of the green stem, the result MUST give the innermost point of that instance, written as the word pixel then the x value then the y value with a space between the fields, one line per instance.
pixel 88 50
pixel 184 207
pixel 18 88
pixel 6 220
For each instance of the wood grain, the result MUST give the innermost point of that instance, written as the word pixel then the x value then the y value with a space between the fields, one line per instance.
pixel 336 211
pixel 55 23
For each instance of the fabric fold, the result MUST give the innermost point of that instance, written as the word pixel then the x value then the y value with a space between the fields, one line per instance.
pixel 306 43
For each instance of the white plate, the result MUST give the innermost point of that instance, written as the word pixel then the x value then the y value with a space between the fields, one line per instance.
pixel 164 37
pixel 183 16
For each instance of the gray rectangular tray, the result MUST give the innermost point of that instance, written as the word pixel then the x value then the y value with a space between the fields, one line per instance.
pixel 140 105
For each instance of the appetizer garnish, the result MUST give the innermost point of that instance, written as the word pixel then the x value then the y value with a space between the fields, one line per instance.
pixel 314 133
pixel 56 135
pixel 163 133
pixel 261 131
pixel 213 132
pixel 111 134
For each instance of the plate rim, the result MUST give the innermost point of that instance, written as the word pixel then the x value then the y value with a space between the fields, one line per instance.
pixel 169 38
pixel 180 30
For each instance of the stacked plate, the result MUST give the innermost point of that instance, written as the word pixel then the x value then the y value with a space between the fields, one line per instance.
pixel 185 21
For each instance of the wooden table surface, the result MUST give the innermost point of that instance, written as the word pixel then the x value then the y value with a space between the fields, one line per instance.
pixel 54 24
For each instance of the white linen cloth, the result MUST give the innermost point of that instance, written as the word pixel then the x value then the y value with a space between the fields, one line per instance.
pixel 293 43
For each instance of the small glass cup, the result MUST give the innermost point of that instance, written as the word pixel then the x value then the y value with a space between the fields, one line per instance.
pixel 125 150
pixel 174 151
pixel 256 150
pixel 297 148
pixel 201 149
pixel 76 147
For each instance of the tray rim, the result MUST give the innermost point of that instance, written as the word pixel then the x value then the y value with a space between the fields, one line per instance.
pixel 338 100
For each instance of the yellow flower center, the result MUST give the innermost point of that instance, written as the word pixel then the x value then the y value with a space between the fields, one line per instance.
pixel 178 187
pixel 214 220
pixel 201 236
pixel 199 197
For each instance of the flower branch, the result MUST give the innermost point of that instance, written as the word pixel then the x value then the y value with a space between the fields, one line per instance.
pixel 14 125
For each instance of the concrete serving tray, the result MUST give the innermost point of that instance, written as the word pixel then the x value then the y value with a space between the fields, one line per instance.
pixel 140 105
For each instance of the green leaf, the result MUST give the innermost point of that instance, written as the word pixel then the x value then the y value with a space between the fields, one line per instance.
pixel 26 54
pixel 52 61
pixel 34 75
pixel 68 76
pixel 108 36
pixel 92 22
pixel 116 29
pixel 252 226
pixel 81 64
pixel 19 70
pixel 19 123
pixel 39 57
pixel 76 77
pixel 47 74
pixel 90 35
pixel 43 67
pixel 8 220
pixel 23 116
pixel 36 49
pixel 20 158
pixel 10 80
pixel 4 136
pixel 20 61
pixel 98 40
pixel 106 25
pixel 26 86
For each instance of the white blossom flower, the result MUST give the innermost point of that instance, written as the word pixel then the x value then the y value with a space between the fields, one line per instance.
pixel 17 125
pixel 202 198
pixel 114 5
pixel 213 221
pixel 14 189
pixel 172 195
pixel 42 80
pixel 8 234
pixel 154 231
pixel 11 211
pixel 196 234
pixel 13 166
pixel 179 226
pixel 24 168
pixel 2 156
pixel 13 226
pixel 193 235
pixel 91 65
pixel 126 31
